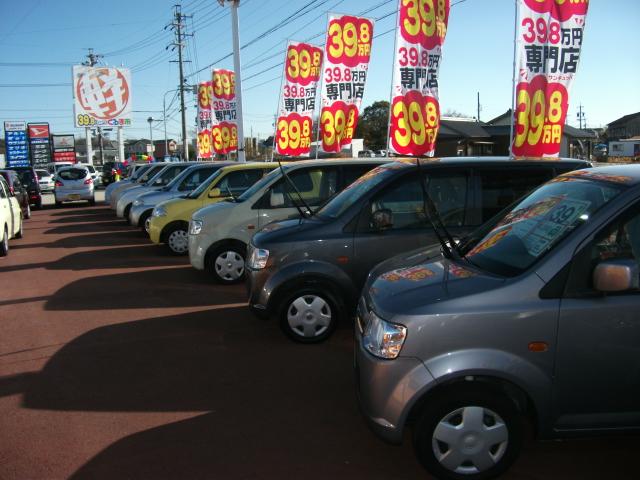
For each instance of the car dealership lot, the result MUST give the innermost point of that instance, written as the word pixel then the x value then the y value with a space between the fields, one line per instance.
pixel 119 361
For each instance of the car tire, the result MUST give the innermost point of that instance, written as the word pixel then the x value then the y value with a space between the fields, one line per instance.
pixel 19 234
pixel 177 240
pixel 483 422
pixel 125 214
pixel 27 214
pixel 92 202
pixel 4 244
pixel 310 315
pixel 226 263
pixel 142 222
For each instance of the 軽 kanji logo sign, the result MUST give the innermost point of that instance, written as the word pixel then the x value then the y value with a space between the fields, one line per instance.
pixel 102 96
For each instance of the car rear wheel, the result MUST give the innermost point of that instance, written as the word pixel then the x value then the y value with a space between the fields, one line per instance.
pixel 226 263
pixel 310 315
pixel 27 214
pixel 177 240
pixel 19 233
pixel 4 244
pixel 469 433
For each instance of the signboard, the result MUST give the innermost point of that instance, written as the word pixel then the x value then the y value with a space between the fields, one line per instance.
pixel 224 128
pixel 415 109
pixel 302 67
pixel 549 39
pixel 64 149
pixel 15 137
pixel 346 63
pixel 205 94
pixel 102 96
pixel 39 143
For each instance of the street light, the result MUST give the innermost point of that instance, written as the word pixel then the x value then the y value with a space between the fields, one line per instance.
pixel 153 150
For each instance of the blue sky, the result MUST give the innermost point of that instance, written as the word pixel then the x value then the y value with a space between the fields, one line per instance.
pixel 41 39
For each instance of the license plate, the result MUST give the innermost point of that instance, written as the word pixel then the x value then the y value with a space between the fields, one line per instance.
pixel 74 197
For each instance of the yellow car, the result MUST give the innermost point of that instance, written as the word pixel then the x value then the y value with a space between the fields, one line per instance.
pixel 170 219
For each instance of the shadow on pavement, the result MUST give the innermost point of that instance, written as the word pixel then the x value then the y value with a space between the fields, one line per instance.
pixel 104 226
pixel 159 288
pixel 104 210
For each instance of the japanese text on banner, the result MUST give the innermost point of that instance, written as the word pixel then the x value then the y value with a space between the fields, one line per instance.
pixel 415 109
pixel 347 54
pixel 302 68
pixel 224 129
pixel 205 94
pixel 549 40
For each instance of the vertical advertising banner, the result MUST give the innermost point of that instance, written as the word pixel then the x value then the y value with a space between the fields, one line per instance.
pixel 102 96
pixel 549 38
pixel 346 63
pixel 224 129
pixel 302 67
pixel 415 109
pixel 204 120
pixel 15 137
pixel 39 143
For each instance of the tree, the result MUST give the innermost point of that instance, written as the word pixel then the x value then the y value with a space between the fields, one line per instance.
pixel 455 114
pixel 372 125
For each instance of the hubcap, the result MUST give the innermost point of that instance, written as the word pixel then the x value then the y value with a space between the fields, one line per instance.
pixel 229 265
pixel 470 440
pixel 309 316
pixel 147 223
pixel 178 241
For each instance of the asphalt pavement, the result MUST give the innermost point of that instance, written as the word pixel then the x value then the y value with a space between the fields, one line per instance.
pixel 118 360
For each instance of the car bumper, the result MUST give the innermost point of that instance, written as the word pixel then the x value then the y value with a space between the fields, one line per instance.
pixel 120 206
pixel 73 195
pixel 155 229
pixel 255 282
pixel 47 187
pixel 387 389
pixel 136 212
pixel 198 246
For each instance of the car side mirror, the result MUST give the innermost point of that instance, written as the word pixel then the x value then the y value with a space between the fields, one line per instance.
pixel 276 199
pixel 382 219
pixel 215 193
pixel 159 182
pixel 616 275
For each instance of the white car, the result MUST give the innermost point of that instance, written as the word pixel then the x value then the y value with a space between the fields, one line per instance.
pixel 10 217
pixel 74 183
pixel 45 180
pixel 219 233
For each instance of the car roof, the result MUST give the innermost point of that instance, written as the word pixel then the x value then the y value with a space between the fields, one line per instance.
pixel 625 174
pixel 77 165
pixel 244 166
pixel 412 161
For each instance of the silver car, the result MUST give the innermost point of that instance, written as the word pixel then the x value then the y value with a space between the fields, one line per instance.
pixel 183 184
pixel 74 183
pixel 534 317
pixel 45 180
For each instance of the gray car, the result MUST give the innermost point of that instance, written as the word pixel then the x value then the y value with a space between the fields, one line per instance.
pixel 183 184
pixel 308 272
pixel 534 317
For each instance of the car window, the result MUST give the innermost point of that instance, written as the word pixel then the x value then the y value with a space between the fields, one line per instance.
pixel 235 183
pixel 27 177
pixel 195 178
pixel 403 200
pixel 501 187
pixel 448 190
pixel 42 173
pixel 312 186
pixel 350 173
pixel 150 173
pixel 73 174
pixel 169 174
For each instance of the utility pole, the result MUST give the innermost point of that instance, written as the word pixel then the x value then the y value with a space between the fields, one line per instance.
pixel 479 107
pixel 177 26
pixel 581 117
pixel 92 59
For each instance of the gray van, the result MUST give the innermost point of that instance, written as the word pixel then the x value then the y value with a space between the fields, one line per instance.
pixel 534 316
pixel 316 266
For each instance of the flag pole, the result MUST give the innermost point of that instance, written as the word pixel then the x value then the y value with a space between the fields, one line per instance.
pixel 275 123
pixel 513 80
pixel 393 72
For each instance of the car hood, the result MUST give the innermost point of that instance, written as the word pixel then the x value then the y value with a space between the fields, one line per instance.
pixel 423 282
pixel 287 231
pixel 214 211
pixel 153 198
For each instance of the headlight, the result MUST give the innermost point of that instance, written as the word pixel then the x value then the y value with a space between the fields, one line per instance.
pixel 159 212
pixel 195 227
pixel 258 258
pixel 137 203
pixel 383 339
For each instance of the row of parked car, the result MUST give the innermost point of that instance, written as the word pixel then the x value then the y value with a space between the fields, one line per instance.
pixel 485 291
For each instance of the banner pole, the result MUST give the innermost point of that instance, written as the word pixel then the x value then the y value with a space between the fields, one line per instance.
pixel 513 79
pixel 393 72
pixel 324 47
pixel 275 123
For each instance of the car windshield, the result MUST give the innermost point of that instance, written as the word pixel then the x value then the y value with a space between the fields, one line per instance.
pixel 273 174
pixel 149 173
pixel 352 194
pixel 536 224
pixel 204 185
pixel 167 174
pixel 43 173
pixel 73 174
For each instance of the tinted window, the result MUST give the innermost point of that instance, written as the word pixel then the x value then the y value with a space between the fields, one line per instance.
pixel 148 174
pixel 27 177
pixel 501 187
pixel 350 173
pixel 448 191
pixel 169 174
pixel 73 174
pixel 404 199
pixel 314 186
pixel 235 183
pixel 195 178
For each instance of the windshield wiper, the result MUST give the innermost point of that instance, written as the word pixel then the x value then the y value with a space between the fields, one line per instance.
pixel 304 214
pixel 233 197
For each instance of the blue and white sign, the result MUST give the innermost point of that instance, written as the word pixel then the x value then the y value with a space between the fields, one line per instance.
pixel 15 137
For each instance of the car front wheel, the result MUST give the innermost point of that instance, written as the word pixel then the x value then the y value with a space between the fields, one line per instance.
pixel 177 240
pixel 469 433
pixel 226 263
pixel 310 315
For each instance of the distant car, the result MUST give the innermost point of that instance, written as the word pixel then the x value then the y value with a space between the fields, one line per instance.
pixel 109 170
pixel 74 183
pixel 10 217
pixel 29 179
pixel 366 154
pixel 53 167
pixel 92 171
pixel 17 189
pixel 381 153
pixel 45 180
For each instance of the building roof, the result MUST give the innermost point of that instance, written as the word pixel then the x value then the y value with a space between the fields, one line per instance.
pixel 624 119
pixel 462 128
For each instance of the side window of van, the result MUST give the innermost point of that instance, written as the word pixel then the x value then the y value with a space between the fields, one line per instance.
pixel 350 173
pixel 195 178
pixel 240 180
pixel 448 190
pixel 403 204
pixel 314 185
pixel 501 187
